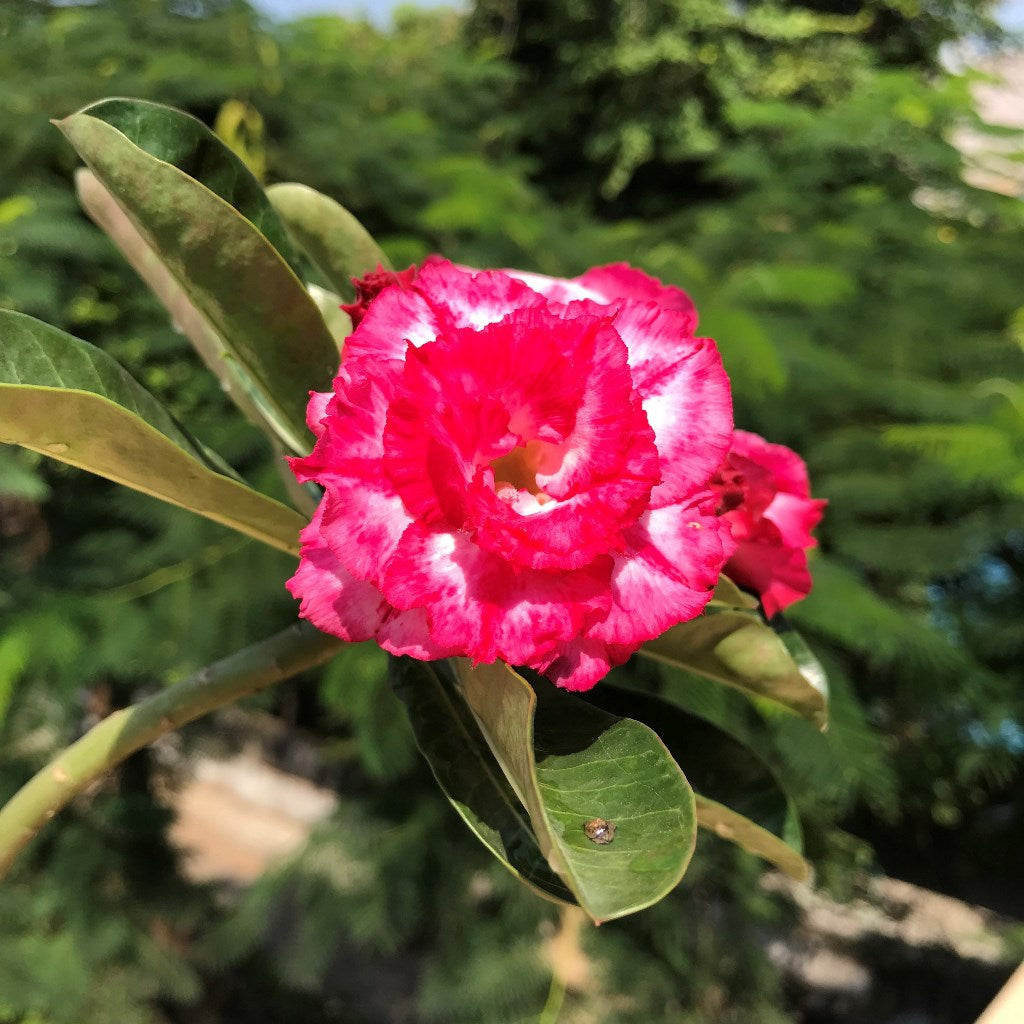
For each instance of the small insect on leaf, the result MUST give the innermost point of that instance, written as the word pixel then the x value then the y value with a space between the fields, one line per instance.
pixel 600 831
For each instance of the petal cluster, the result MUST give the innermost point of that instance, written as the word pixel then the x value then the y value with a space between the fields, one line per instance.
pixel 765 496
pixel 517 467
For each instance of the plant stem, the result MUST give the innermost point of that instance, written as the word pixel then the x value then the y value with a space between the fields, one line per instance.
pixel 553 1006
pixel 295 649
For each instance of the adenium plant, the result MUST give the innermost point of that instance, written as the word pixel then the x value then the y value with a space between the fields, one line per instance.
pixel 510 482
pixel 513 472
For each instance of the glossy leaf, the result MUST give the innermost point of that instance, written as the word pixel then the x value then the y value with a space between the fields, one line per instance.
pixel 738 796
pixel 735 647
pixel 465 768
pixel 339 323
pixel 570 764
pixel 337 244
pixel 203 213
pixel 102 208
pixel 66 399
pixel 810 668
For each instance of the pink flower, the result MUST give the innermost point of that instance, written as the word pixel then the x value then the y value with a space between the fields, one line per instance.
pixel 517 467
pixel 765 497
pixel 371 285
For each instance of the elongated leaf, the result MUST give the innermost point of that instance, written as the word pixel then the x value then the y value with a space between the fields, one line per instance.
pixel 339 323
pixel 64 398
pixel 339 246
pixel 810 668
pixel 116 224
pixel 468 774
pixel 179 185
pixel 573 765
pixel 738 796
pixel 736 648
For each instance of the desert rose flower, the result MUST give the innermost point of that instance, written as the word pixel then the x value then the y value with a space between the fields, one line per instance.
pixel 517 467
pixel 765 497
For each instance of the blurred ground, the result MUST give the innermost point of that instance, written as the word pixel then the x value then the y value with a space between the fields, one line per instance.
pixel 994 163
pixel 895 946
pixel 238 816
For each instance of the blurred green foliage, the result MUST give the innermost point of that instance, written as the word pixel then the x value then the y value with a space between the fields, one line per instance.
pixel 790 165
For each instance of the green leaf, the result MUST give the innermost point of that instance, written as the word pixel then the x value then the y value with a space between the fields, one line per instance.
pixel 465 768
pixel 729 597
pixel 203 213
pixel 810 668
pixel 338 245
pixel 101 206
pixel 736 648
pixel 66 399
pixel 339 323
pixel 738 796
pixel 571 763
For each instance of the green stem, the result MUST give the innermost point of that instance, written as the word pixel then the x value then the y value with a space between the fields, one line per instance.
pixel 294 650
pixel 553 1006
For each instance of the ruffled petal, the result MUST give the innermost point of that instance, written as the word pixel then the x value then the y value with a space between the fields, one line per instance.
pixel 788 470
pixel 332 598
pixel 352 423
pixel 666 573
pixel 352 609
pixel 316 411
pixel 566 534
pixel 686 397
pixel 795 518
pixel 611 284
pixel 362 521
pixel 621 281
pixel 779 575
pixel 478 603
pixel 462 297
pixel 580 664
pixel 396 318
pixel 408 633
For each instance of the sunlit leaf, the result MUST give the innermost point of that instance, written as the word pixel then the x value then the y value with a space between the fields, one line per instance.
pixel 574 766
pixel 738 796
pixel 203 213
pixel 66 399
pixel 737 648
pixel 339 246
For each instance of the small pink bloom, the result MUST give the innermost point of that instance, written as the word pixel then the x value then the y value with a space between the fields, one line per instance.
pixel 764 495
pixel 517 467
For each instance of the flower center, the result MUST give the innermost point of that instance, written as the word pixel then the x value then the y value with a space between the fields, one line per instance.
pixel 516 472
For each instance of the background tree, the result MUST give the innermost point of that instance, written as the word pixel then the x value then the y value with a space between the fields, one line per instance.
pixel 786 163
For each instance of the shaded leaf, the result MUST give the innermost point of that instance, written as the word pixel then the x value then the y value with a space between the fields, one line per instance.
pixel 66 399
pixel 179 184
pixel 465 768
pixel 338 245
pixel 571 763
pixel 738 649
pixel 810 668
pixel 101 206
pixel 738 796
